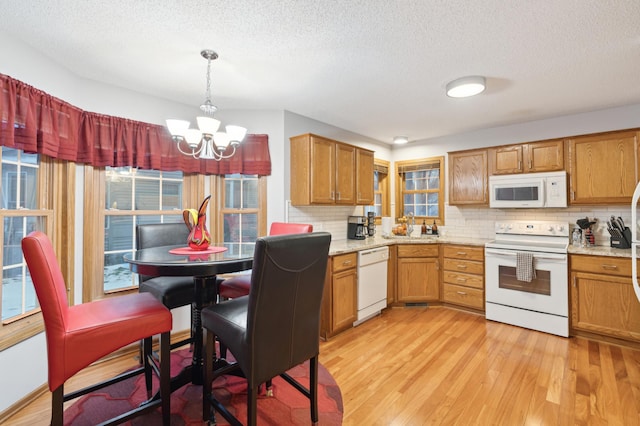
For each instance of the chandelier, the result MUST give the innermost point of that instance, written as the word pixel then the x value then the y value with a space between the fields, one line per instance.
pixel 206 141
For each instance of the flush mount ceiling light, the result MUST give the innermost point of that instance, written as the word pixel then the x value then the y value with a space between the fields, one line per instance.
pixel 399 140
pixel 206 141
pixel 466 86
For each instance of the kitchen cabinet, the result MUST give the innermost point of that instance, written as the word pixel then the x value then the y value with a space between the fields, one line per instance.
pixel 602 298
pixel 340 299
pixel 468 177
pixel 328 172
pixel 392 275
pixel 543 156
pixel 364 177
pixel 418 273
pixel 603 168
pixel 463 276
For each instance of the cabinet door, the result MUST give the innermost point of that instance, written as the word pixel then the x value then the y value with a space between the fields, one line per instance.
pixel 605 305
pixel 345 174
pixel 344 299
pixel 468 177
pixel 323 157
pixel 418 279
pixel 603 168
pixel 364 177
pixel 505 160
pixel 546 156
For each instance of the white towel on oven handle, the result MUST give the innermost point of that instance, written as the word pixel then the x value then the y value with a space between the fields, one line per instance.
pixel 525 270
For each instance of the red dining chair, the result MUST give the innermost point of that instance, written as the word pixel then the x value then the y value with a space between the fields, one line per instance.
pixel 82 334
pixel 240 284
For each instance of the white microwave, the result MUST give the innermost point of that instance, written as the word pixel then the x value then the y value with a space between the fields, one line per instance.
pixel 530 190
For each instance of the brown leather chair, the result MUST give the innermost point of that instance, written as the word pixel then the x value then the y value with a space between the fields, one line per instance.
pixel 173 292
pixel 238 285
pixel 287 278
pixel 82 334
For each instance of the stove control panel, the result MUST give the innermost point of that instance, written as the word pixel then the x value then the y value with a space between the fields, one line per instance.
pixel 522 227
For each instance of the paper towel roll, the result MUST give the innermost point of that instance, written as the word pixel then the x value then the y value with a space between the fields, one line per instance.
pixel 387 224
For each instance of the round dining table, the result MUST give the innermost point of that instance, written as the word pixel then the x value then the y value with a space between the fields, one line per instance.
pixel 203 266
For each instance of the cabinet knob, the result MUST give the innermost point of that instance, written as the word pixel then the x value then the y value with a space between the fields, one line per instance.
pixel 610 267
pixel 462 293
pixel 462 266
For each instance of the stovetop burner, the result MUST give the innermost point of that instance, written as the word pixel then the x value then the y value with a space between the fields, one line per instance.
pixel 537 236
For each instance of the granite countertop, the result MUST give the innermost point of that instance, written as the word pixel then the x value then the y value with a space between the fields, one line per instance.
pixel 349 246
pixel 600 251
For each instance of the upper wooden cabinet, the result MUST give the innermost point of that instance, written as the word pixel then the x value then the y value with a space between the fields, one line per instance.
pixel 324 171
pixel 364 177
pixel 544 156
pixel 468 177
pixel 603 168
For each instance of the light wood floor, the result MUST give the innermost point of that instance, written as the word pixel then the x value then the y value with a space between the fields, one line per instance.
pixel 414 366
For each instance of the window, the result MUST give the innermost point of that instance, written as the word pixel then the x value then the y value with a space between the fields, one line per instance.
pixel 23 209
pixel 127 197
pixel 421 189
pixel 242 211
pixel 381 205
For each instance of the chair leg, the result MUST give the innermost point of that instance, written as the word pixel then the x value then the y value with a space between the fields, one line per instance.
pixel 313 388
pixel 252 404
pixel 57 401
pixel 146 353
pixel 165 377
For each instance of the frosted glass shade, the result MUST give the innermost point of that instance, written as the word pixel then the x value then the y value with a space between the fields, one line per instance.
pixel 193 136
pixel 177 127
pixel 208 125
pixel 236 133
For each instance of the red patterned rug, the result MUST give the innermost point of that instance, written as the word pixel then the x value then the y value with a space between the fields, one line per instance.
pixel 286 407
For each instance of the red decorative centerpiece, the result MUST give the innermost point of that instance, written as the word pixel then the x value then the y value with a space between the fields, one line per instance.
pixel 196 220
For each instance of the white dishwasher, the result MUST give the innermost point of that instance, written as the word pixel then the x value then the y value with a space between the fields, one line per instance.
pixel 372 282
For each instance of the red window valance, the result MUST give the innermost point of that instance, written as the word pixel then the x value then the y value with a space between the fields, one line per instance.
pixel 34 121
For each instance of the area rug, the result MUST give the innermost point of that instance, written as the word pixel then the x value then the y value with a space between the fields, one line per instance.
pixel 287 406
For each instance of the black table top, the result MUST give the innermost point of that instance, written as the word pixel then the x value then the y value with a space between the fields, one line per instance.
pixel 157 261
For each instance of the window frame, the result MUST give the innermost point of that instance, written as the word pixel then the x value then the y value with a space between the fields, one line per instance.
pixel 384 189
pixel 217 220
pixel 55 200
pixel 415 164
pixel 94 234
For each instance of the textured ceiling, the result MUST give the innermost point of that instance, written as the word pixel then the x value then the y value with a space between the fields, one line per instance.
pixel 374 67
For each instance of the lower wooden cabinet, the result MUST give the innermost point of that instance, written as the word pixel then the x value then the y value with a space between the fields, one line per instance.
pixel 340 299
pixel 602 297
pixel 417 273
pixel 463 276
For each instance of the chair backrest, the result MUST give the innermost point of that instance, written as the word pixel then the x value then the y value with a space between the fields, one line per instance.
pixel 160 234
pixel 50 289
pixel 282 228
pixel 287 282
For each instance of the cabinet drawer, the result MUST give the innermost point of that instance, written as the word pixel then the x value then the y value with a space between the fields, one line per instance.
pixel 417 250
pixel 466 296
pixel 602 265
pixel 458 278
pixel 464 252
pixel 344 261
pixel 467 266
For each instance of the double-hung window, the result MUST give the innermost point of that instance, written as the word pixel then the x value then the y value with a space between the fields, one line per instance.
pixel 420 189
pixel 118 200
pixel 381 203
pixel 241 212
pixel 23 208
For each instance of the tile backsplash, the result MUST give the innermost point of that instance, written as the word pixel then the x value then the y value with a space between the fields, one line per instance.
pixel 470 222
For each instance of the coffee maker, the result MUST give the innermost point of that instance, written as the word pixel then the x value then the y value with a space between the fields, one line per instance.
pixel 356 227
pixel 371 224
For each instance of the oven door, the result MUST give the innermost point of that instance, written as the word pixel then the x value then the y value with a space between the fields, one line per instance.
pixel 547 292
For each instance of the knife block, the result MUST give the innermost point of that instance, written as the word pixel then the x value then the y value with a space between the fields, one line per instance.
pixel 623 242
